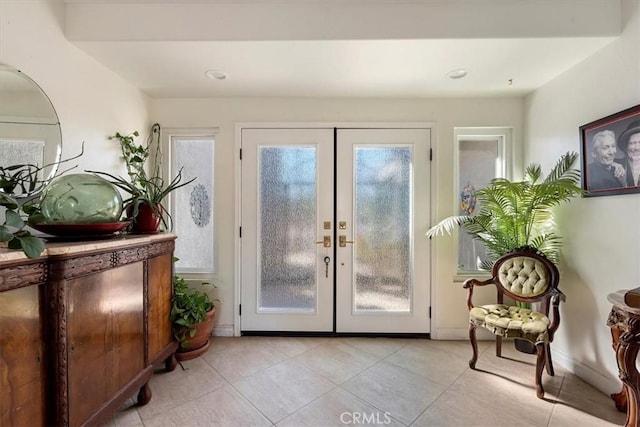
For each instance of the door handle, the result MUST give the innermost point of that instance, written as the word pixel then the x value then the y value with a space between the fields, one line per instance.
pixel 326 241
pixel 342 240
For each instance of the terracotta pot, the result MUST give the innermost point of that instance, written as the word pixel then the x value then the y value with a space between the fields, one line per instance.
pixel 147 221
pixel 197 345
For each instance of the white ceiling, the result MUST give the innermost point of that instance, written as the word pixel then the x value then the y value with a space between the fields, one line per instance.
pixel 351 48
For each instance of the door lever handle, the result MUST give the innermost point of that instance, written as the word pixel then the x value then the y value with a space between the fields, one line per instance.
pixel 326 241
pixel 342 240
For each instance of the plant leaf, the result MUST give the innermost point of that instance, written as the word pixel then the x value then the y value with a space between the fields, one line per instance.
pixel 31 245
pixel 5 234
pixel 13 219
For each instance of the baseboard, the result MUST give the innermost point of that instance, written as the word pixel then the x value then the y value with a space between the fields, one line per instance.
pixel 223 331
pixel 604 383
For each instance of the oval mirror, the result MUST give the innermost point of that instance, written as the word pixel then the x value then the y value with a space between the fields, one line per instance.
pixel 29 127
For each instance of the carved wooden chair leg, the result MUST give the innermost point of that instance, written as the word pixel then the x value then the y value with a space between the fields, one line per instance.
pixel 541 352
pixel 144 395
pixel 548 362
pixel 474 345
pixel 498 346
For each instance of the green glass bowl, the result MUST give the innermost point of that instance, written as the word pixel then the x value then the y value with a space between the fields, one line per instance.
pixel 80 199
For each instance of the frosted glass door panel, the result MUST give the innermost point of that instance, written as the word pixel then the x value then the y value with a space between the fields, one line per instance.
pixel 287 207
pixel 287 225
pixel 382 229
pixel 382 270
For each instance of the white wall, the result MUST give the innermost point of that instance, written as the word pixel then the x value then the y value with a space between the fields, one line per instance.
pixel 602 234
pixel 448 299
pixel 92 102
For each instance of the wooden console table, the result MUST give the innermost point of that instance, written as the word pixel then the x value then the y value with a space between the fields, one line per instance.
pixel 82 327
pixel 624 322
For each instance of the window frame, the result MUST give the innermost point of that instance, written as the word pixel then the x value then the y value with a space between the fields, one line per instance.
pixel 167 170
pixel 504 167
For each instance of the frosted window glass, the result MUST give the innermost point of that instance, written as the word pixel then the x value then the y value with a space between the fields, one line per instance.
pixel 15 152
pixel 287 229
pixel 192 205
pixel 383 252
pixel 477 167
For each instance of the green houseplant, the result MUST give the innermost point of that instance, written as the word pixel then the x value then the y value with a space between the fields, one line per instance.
pixel 146 189
pixel 517 214
pixel 514 214
pixel 20 185
pixel 192 314
pixel 13 231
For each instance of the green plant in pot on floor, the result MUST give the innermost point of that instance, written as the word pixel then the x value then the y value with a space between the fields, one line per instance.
pixel 146 190
pixel 192 315
pixel 515 214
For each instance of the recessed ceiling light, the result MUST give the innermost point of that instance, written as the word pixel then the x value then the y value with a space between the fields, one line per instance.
pixel 216 74
pixel 457 74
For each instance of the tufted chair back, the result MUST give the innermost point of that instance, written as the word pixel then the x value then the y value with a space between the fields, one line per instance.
pixel 525 276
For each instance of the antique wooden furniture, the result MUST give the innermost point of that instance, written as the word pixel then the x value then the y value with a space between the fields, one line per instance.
pixel 82 327
pixel 624 321
pixel 523 275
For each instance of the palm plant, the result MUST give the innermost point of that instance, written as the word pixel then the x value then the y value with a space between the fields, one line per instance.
pixel 517 214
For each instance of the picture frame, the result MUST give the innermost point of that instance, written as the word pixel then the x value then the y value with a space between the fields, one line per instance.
pixel 610 154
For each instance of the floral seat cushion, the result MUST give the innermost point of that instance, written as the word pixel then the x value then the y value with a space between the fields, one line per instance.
pixel 511 321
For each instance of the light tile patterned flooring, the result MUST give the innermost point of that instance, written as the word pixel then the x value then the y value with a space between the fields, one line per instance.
pixel 293 382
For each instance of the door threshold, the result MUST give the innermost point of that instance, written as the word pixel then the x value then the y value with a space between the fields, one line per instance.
pixel 334 334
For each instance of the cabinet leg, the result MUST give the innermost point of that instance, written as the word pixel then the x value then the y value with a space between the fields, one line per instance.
pixel 144 395
pixel 171 363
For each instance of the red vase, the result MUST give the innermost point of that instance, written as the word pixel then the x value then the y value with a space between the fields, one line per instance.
pixel 148 219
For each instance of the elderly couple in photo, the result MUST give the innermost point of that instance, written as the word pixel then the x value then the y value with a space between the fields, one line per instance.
pixel 606 171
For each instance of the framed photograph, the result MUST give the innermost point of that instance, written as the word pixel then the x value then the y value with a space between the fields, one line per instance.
pixel 610 152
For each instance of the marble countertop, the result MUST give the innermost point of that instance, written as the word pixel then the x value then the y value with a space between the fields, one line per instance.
pixel 57 248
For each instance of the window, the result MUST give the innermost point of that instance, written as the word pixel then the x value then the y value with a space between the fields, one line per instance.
pixel 481 155
pixel 192 206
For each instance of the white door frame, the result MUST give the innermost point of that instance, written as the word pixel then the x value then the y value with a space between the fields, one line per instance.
pixel 304 125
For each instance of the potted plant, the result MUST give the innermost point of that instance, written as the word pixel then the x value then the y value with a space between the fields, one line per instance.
pixel 20 185
pixel 519 213
pixel 192 314
pixel 515 214
pixel 13 231
pixel 146 190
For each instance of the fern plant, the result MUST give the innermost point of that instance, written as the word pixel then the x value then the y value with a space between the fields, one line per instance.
pixel 516 214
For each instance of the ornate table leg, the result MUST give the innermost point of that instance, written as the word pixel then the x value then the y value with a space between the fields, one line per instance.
pixel 620 399
pixel 626 354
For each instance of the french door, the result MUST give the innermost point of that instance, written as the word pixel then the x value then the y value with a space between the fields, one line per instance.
pixel 333 225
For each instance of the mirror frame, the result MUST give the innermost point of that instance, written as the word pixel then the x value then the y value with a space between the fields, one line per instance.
pixel 53 145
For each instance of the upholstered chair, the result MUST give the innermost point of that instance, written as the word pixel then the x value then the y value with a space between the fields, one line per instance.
pixel 523 275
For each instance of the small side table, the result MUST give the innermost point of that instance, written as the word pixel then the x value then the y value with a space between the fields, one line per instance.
pixel 624 322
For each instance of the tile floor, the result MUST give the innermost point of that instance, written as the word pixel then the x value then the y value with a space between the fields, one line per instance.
pixel 293 382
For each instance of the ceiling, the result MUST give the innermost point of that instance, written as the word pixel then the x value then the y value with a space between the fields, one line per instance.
pixel 341 48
